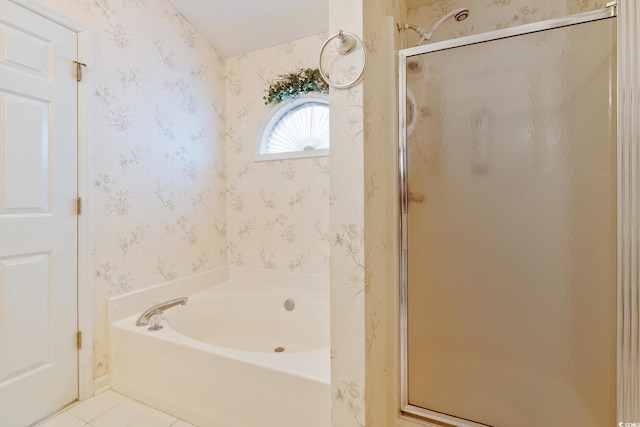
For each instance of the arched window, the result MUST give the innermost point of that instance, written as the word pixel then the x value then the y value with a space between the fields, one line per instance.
pixel 296 128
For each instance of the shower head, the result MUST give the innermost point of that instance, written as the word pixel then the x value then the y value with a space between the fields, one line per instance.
pixel 458 14
pixel 461 14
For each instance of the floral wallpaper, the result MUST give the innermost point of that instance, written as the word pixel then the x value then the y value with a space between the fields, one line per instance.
pixel 381 211
pixel 158 207
pixel 174 130
pixel 347 278
pixel 277 210
pixel 489 15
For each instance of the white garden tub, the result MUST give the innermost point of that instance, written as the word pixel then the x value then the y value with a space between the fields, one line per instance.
pixel 233 356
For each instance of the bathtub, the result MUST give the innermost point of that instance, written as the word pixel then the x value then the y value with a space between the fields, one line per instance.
pixel 233 356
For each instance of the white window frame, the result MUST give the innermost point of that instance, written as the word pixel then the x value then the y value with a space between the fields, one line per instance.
pixel 275 114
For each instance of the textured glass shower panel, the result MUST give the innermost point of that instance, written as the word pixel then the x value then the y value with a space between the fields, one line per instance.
pixel 511 158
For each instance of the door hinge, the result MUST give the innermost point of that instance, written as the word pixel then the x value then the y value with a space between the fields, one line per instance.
pixel 79 205
pixel 79 340
pixel 79 69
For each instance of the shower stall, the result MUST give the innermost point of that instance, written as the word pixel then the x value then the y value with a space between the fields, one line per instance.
pixel 509 206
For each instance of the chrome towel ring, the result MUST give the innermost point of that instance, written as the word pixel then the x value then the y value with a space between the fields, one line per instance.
pixel 348 42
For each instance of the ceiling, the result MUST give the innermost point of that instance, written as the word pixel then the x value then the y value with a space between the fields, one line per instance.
pixel 236 27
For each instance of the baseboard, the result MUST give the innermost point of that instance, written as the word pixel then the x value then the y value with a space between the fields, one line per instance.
pixel 101 384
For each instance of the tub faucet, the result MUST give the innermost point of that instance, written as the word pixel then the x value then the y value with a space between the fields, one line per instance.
pixel 158 309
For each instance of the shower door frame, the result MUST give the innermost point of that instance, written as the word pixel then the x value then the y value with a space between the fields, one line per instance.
pixel 628 201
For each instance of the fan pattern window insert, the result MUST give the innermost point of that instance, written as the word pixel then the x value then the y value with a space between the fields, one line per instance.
pixel 298 128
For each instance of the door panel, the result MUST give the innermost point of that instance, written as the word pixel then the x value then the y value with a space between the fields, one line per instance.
pixel 38 222
pixel 24 187
pixel 512 229
pixel 25 342
pixel 24 51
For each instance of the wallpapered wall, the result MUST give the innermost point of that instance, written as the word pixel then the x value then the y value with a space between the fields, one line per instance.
pixel 381 214
pixel 174 129
pixel 363 220
pixel 158 155
pixel 278 211
pixel 488 15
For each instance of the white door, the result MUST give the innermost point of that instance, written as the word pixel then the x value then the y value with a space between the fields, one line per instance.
pixel 38 218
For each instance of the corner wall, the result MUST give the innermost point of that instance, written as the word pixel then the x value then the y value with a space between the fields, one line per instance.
pixel 277 210
pixel 364 222
pixel 158 203
pixel 347 187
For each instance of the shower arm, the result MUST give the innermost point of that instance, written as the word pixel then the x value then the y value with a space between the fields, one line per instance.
pixel 425 35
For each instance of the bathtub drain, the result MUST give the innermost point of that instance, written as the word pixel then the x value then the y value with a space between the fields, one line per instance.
pixel 279 349
pixel 289 304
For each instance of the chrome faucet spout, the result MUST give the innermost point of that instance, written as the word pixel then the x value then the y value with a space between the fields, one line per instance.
pixel 157 309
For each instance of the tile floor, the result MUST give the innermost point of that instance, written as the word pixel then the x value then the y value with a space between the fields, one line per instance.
pixel 110 409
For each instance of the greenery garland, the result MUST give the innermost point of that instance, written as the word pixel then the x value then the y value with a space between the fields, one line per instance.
pixel 293 85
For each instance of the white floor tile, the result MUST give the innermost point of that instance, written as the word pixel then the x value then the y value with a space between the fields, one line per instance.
pixel 121 415
pixel 92 408
pixel 64 419
pixel 111 409
pixel 154 418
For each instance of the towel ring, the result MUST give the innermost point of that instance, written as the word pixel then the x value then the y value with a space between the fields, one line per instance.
pixel 347 45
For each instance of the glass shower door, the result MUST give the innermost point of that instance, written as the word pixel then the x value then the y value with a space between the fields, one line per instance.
pixel 509 266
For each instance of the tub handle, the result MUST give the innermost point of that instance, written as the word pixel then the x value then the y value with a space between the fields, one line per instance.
pixel 158 309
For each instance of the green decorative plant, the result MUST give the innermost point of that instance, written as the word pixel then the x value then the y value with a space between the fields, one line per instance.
pixel 293 85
